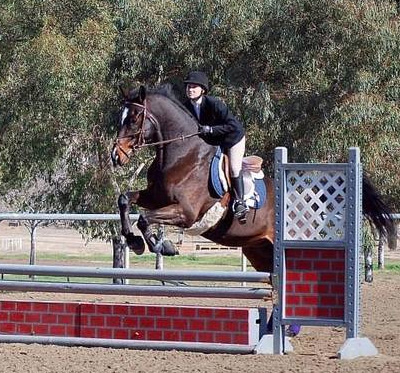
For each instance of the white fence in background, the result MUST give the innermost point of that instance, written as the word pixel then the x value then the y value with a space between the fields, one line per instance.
pixel 10 244
pixel 12 217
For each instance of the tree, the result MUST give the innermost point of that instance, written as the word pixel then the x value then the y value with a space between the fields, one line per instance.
pixel 57 104
pixel 316 77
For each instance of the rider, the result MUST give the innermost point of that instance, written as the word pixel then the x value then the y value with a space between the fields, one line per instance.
pixel 219 127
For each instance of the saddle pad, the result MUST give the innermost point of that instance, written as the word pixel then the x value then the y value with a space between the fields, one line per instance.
pixel 260 194
pixel 216 183
pixel 256 201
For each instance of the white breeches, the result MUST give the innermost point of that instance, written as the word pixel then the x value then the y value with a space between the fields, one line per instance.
pixel 235 155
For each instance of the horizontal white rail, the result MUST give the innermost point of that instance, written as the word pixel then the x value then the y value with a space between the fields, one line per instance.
pixel 137 290
pixel 39 216
pixel 143 274
pixel 134 344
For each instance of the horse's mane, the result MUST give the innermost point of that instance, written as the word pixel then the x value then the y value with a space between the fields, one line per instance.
pixel 165 90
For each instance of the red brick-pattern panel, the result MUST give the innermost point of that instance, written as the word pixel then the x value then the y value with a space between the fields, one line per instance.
pixel 127 321
pixel 315 283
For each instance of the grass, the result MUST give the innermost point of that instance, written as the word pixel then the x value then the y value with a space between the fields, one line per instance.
pixel 391 266
pixel 56 279
pixel 190 260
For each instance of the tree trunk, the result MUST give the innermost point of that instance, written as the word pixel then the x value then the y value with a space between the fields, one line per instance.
pixel 381 253
pixel 118 257
pixel 392 239
pixel 369 273
pixel 32 254
pixel 159 257
pixel 159 262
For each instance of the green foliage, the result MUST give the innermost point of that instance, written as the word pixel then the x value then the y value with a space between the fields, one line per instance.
pixel 392 267
pixel 316 77
pixel 332 69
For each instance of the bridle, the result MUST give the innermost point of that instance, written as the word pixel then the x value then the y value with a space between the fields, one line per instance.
pixel 139 136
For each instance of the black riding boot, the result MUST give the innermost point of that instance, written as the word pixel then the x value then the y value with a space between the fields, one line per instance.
pixel 240 208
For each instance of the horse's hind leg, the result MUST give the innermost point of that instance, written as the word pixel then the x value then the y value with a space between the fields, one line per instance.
pixel 135 243
pixel 260 255
pixel 155 243
pixel 262 260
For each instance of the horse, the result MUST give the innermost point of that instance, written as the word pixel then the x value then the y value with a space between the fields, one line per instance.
pixel 178 189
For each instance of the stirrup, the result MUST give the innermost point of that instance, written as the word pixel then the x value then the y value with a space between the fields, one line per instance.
pixel 240 209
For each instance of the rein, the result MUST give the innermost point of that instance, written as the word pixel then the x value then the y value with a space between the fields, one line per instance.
pixel 182 137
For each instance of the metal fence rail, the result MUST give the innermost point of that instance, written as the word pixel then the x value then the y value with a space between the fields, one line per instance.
pixel 142 274
pixel 138 290
pixel 39 216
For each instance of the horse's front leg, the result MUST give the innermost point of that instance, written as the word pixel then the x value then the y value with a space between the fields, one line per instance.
pixel 135 243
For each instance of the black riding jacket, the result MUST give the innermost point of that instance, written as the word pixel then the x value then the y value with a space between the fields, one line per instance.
pixel 227 130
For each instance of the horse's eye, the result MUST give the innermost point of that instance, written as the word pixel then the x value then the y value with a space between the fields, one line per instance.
pixel 135 116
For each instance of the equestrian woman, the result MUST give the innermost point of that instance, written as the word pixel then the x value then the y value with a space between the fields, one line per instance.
pixel 219 127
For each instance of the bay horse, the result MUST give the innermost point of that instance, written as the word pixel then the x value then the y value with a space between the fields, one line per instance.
pixel 178 191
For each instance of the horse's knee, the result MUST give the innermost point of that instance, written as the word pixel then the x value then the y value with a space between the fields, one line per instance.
pixel 123 202
pixel 142 223
pixel 187 218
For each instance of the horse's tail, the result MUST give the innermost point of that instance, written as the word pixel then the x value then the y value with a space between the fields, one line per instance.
pixel 376 210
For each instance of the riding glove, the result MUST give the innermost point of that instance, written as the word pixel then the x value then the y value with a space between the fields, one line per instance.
pixel 205 130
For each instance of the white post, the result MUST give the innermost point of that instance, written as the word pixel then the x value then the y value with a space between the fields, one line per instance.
pixel 126 261
pixel 244 267
pixel 381 253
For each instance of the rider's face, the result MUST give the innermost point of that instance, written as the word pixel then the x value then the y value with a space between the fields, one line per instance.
pixel 193 91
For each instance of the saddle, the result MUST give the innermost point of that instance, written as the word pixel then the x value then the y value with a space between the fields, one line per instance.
pixel 254 187
pixel 255 193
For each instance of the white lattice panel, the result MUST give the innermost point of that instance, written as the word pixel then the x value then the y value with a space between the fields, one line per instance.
pixel 315 205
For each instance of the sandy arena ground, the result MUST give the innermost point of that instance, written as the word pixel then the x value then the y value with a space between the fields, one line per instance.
pixel 314 349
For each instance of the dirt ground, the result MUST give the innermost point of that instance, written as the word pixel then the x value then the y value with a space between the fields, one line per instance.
pixel 315 348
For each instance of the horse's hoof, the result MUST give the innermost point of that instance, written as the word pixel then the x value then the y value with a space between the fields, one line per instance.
pixel 169 249
pixel 292 330
pixel 135 244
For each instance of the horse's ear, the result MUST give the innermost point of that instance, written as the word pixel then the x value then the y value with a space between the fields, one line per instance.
pixel 142 94
pixel 124 91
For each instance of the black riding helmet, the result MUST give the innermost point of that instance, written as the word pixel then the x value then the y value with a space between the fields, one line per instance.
pixel 199 78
